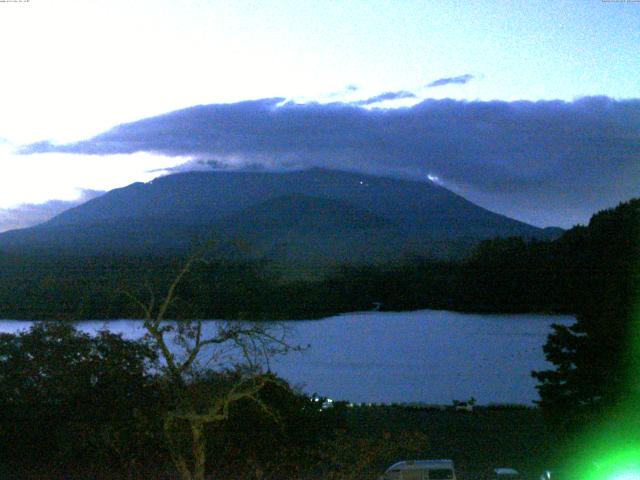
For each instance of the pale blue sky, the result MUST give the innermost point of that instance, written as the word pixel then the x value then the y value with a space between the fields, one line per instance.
pixel 82 66
pixel 72 69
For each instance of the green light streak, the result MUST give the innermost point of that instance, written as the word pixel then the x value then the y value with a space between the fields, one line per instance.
pixel 609 449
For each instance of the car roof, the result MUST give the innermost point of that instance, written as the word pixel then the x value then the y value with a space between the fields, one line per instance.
pixel 421 464
pixel 506 471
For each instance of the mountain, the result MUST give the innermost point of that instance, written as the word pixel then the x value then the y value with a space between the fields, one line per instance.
pixel 316 216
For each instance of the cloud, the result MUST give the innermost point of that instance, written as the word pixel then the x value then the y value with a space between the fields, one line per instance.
pixel 459 80
pixel 27 215
pixel 545 162
pixel 383 97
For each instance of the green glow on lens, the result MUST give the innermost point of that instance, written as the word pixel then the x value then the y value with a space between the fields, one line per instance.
pixel 609 448
pixel 621 465
pixel 627 475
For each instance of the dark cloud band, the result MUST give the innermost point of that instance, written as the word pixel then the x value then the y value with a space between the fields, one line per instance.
pixel 546 154
pixel 459 80
pixel 383 97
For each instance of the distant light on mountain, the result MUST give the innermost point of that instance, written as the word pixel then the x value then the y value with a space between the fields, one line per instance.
pixel 313 216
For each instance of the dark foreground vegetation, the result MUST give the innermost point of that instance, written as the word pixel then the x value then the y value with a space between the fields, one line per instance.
pixel 77 407
pixel 592 393
pixel 502 275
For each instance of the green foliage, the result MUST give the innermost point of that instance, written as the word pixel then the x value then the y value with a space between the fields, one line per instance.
pixel 67 398
pixel 85 406
pixel 597 359
pixel 76 404
pixel 285 444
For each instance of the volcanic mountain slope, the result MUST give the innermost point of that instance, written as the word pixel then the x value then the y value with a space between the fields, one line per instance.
pixel 314 215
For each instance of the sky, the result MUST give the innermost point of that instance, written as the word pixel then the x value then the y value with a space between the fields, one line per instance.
pixel 530 109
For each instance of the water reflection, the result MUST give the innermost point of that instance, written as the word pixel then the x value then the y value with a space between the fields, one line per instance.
pixel 422 356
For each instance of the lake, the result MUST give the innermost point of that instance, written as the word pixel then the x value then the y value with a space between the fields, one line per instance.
pixel 422 356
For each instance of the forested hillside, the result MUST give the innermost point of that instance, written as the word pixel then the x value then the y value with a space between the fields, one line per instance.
pixel 502 275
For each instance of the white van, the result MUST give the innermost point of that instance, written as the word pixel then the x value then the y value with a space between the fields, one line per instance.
pixel 421 470
pixel 506 474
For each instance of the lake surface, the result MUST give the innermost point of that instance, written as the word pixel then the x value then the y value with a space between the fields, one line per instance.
pixel 422 356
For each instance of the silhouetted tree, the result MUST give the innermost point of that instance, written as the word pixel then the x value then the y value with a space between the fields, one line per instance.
pixel 597 360
pixel 236 351
pixel 68 398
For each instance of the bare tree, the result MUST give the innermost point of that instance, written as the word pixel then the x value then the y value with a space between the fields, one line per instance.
pixel 188 348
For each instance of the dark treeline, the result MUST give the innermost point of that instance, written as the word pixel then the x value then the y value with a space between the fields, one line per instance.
pixel 76 406
pixel 592 394
pixel 596 360
pixel 502 275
